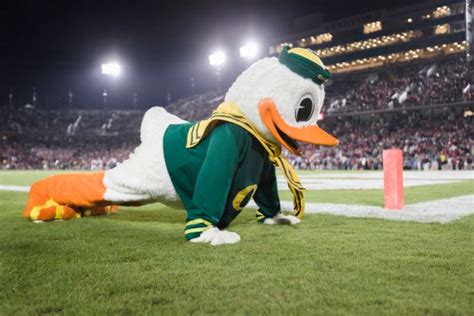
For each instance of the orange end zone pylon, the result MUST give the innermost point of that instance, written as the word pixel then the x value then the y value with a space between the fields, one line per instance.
pixel 393 179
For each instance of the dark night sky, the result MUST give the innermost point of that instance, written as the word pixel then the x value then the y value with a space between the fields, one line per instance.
pixel 59 44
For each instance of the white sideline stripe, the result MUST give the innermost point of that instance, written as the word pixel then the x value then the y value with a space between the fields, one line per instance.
pixel 438 211
pixel 356 184
pixel 360 180
pixel 17 188
pixel 407 174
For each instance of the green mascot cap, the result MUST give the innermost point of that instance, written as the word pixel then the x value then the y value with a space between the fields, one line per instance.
pixel 305 63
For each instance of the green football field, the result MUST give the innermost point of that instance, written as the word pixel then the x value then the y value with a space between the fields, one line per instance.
pixel 138 262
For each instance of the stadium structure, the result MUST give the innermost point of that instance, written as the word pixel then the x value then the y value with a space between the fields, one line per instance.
pixel 380 41
pixel 379 38
pixel 423 33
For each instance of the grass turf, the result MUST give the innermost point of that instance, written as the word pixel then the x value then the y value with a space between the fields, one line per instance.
pixel 360 197
pixel 27 177
pixel 137 262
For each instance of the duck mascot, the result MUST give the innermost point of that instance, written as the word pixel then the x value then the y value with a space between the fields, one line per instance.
pixel 213 167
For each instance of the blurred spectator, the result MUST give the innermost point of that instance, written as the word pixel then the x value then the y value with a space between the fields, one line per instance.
pixel 427 144
pixel 413 84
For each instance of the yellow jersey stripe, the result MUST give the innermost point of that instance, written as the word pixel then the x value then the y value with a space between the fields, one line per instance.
pixel 199 221
pixel 196 230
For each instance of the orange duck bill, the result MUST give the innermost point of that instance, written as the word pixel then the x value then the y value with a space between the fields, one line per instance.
pixel 288 135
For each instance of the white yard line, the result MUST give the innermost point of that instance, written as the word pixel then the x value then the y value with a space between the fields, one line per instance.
pixel 360 180
pixel 17 188
pixel 435 174
pixel 438 211
pixel 356 184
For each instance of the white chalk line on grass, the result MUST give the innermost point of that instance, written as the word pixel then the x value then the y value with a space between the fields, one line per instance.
pixel 360 180
pixel 16 188
pixel 355 184
pixel 437 211
pixel 407 174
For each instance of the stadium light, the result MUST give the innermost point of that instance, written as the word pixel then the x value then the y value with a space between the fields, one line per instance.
pixel 111 69
pixel 217 58
pixel 249 50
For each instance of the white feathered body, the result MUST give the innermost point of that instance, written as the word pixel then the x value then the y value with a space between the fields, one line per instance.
pixel 143 177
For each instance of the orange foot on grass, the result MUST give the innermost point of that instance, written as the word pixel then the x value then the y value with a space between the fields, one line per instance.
pixel 51 210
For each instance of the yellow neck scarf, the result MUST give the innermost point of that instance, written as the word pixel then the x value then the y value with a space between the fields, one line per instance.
pixel 229 112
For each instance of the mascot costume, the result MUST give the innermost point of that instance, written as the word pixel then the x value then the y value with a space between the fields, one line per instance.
pixel 211 167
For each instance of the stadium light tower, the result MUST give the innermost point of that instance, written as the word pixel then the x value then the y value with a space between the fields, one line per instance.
pixel 217 59
pixel 10 98
pixel 111 69
pixel 104 98
pixel 249 50
pixel 70 98
pixel 34 98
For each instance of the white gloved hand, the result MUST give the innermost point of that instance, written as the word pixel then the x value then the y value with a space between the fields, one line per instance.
pixel 281 219
pixel 215 237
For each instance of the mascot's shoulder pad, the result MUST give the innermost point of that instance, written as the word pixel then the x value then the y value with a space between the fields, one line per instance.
pixel 241 136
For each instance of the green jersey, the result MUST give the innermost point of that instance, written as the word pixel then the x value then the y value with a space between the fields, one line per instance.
pixel 219 176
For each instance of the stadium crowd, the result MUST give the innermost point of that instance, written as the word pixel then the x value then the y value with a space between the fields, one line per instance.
pixel 410 85
pixel 39 139
pixel 414 84
pixel 76 154
pixel 32 139
pixel 427 144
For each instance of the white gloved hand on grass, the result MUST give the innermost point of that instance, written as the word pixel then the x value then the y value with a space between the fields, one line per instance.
pixel 281 219
pixel 215 237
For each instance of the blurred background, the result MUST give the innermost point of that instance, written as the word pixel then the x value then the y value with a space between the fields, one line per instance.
pixel 76 77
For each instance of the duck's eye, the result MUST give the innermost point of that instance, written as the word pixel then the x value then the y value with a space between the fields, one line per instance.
pixel 305 109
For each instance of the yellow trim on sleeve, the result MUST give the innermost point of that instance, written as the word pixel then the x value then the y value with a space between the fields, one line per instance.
pixel 199 221
pixel 196 230
pixel 260 215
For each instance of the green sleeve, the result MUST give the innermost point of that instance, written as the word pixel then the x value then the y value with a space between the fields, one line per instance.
pixel 214 180
pixel 266 196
